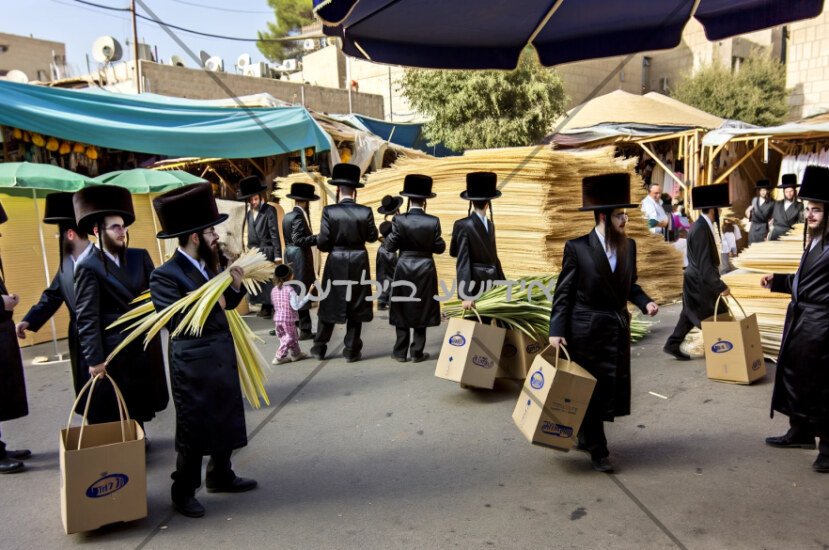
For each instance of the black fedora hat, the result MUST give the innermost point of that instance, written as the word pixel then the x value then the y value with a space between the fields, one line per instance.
pixel 3 217
pixel 815 186
pixel 711 196
pixel 346 175
pixel 385 228
pixel 186 210
pixel 281 271
pixel 606 192
pixel 788 180
pixel 418 186
pixel 481 186
pixel 248 187
pixel 763 184
pixel 93 203
pixel 303 192
pixel 390 205
pixel 59 209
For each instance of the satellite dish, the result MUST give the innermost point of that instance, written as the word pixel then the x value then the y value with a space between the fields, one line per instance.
pixel 16 75
pixel 243 60
pixel 215 64
pixel 203 56
pixel 176 61
pixel 106 49
pixel 289 65
pixel 309 44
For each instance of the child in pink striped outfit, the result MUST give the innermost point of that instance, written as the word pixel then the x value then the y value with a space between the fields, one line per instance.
pixel 286 303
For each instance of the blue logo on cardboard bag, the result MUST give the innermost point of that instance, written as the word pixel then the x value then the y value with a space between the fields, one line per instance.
pixel 482 361
pixel 107 485
pixel 756 364
pixel 559 430
pixel 457 340
pixel 537 380
pixel 535 347
pixel 722 346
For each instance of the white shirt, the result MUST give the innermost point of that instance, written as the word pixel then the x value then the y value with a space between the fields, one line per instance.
pixel 483 221
pixel 717 240
pixel 729 243
pixel 611 254
pixel 786 204
pixel 81 256
pixel 682 246
pixel 296 303
pixel 415 208
pixel 198 264
pixel 653 211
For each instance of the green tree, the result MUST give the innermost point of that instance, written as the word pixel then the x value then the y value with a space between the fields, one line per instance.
pixel 290 16
pixel 484 109
pixel 755 93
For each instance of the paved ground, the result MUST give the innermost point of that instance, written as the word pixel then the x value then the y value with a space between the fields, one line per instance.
pixel 379 454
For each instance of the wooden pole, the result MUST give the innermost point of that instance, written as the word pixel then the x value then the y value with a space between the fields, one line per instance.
pixel 135 47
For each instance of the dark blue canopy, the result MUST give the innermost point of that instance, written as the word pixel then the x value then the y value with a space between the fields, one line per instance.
pixel 490 34
pixel 407 134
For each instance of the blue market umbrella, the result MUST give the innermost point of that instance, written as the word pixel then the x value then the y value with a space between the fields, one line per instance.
pixel 490 34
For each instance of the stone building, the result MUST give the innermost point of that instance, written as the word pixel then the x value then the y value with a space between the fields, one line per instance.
pixel 41 60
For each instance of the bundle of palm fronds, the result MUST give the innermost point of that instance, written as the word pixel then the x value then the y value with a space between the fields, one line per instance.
pixel 195 307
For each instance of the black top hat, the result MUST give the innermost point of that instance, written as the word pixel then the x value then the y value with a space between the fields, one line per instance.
pixel 385 228
pixel 390 205
pixel 788 180
pixel 347 175
pixel 282 271
pixel 418 186
pixel 186 210
pixel 481 186
pixel 763 184
pixel 93 203
pixel 248 187
pixel 606 191
pixel 59 209
pixel 815 185
pixel 710 196
pixel 3 217
pixel 303 192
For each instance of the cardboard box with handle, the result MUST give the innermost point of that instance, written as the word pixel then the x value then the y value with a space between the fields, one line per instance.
pixel 733 350
pixel 470 352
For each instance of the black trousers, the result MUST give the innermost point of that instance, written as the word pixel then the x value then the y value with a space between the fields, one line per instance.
pixel 802 428
pixel 683 327
pixel 2 448
pixel 592 436
pixel 352 342
pixel 418 341
pixel 304 322
pixel 187 477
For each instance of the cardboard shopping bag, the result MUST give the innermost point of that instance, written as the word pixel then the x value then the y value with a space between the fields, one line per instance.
pixel 103 469
pixel 470 352
pixel 517 355
pixel 733 350
pixel 553 400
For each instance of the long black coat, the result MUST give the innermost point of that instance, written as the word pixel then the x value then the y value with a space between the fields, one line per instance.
pixel 416 235
pixel 476 253
pixel 385 263
pixel 210 415
pixel 298 243
pixel 101 296
pixel 701 282
pixel 60 292
pixel 345 229
pixel 263 233
pixel 760 216
pixel 13 402
pixel 590 312
pixel 801 385
pixel 784 218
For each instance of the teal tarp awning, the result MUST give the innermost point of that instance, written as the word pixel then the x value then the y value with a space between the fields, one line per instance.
pixel 170 128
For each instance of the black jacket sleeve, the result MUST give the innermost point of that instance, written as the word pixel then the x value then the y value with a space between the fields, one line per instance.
pixel 272 227
pixel 637 296
pixel 50 301
pixel 372 234
pixel 438 245
pixel 564 295
pixel 782 283
pixel 300 234
pixel 87 311
pixel 323 237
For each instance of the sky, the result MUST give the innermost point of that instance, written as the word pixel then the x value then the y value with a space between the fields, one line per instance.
pixel 78 25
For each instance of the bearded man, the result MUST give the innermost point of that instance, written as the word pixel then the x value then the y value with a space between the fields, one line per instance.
pixel 589 313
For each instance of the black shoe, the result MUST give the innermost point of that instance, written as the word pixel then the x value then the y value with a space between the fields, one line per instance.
pixel 306 335
pixel 353 358
pixel 238 485
pixel 676 352
pixel 399 359
pixel 318 352
pixel 22 454
pixel 382 307
pixel 789 441
pixel 602 465
pixel 188 506
pixel 272 332
pixel 821 464
pixel 419 358
pixel 9 466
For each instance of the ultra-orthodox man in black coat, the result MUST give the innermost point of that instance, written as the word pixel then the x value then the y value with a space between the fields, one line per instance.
pixel 299 242
pixel 783 218
pixel 760 214
pixel 262 224
pixel 13 403
pixel 385 263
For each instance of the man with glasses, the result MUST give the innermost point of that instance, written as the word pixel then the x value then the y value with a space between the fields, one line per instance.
pixel 589 313
pixel 107 280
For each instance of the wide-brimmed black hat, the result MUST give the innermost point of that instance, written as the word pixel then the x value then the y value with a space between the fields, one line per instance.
pixel 389 205
pixel 346 175
pixel 762 184
pixel 59 209
pixel 186 210
pixel 93 203
pixel 3 217
pixel 606 192
pixel 711 196
pixel 248 187
pixel 788 180
pixel 303 192
pixel 481 186
pixel 815 186
pixel 281 271
pixel 385 228
pixel 418 186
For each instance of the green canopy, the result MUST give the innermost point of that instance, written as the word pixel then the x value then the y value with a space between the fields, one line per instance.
pixel 143 180
pixel 32 179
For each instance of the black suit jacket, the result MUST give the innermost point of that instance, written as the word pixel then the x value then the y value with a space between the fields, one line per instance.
pixel 13 403
pixel 263 233
pixel 701 282
pixel 298 243
pixel 476 253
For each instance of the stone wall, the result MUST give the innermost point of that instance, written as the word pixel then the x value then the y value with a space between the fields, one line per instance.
pixel 30 55
pixel 807 67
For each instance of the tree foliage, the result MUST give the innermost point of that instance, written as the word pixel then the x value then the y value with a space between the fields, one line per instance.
pixel 484 109
pixel 755 93
pixel 290 16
